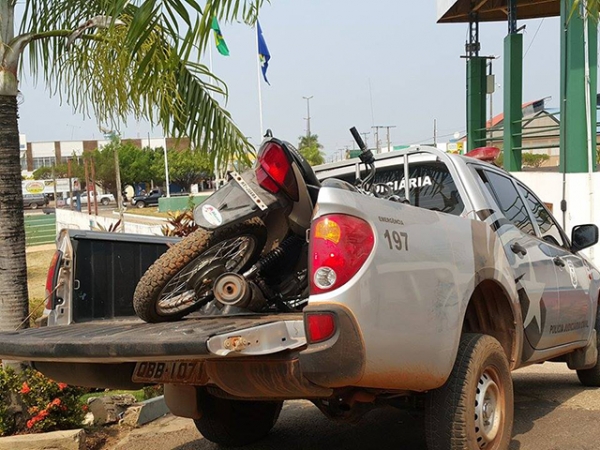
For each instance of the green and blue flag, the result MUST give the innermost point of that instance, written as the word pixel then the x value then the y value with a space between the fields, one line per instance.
pixel 263 52
pixel 219 40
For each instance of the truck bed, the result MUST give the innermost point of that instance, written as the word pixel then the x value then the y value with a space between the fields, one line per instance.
pixel 126 340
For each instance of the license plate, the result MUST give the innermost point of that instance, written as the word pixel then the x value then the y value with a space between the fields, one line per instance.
pixel 176 372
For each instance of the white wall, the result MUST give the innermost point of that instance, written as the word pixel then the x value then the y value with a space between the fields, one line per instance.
pixel 65 218
pixel 42 149
pixel 67 148
pixel 154 143
pixel 583 203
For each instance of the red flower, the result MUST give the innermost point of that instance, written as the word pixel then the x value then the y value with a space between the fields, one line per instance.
pixel 55 402
pixel 61 386
pixel 25 388
pixel 30 423
pixel 85 408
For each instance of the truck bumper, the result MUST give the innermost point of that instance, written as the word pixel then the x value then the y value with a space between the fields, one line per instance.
pixel 250 357
pixel 339 361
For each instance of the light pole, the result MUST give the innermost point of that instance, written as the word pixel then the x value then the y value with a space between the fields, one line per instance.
pixel 167 173
pixel 308 115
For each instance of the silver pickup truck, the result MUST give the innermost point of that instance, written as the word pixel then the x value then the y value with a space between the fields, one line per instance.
pixel 436 302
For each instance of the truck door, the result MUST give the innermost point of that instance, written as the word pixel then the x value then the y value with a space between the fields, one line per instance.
pixel 533 267
pixel 572 272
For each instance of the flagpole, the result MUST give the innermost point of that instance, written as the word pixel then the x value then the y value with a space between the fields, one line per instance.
pixel 210 60
pixel 210 67
pixel 260 110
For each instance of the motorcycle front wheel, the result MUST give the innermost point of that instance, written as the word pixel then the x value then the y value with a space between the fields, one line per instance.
pixel 181 280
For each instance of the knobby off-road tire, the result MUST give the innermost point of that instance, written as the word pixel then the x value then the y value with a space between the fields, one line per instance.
pixel 186 252
pixel 474 409
pixel 591 377
pixel 234 423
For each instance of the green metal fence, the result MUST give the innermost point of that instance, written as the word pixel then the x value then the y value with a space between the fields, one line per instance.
pixel 40 229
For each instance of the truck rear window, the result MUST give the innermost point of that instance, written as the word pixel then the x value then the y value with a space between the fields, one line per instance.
pixel 431 185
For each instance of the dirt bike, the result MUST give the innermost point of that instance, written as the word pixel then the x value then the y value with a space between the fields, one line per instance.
pixel 250 251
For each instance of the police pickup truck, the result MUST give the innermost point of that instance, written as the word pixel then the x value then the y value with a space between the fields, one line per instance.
pixel 471 280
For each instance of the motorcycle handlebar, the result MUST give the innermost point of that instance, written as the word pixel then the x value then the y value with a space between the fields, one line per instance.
pixel 358 139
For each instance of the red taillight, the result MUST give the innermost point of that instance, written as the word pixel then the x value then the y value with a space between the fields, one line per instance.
pixel 51 279
pixel 274 171
pixel 339 246
pixel 319 326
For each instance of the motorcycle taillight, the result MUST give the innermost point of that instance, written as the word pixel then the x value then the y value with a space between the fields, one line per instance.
pixel 339 246
pixel 274 170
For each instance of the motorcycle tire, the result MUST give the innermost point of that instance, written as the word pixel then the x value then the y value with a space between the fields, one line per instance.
pixel 169 290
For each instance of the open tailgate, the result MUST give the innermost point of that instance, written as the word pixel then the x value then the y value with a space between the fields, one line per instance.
pixel 136 341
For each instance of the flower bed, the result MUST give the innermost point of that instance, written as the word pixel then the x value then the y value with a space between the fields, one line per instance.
pixel 30 402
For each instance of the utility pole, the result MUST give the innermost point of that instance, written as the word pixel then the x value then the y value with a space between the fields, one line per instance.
pixel 308 114
pixel 69 174
pixel 376 138
pixel 386 127
pixel 54 184
pixel 87 186
pixel 364 135
pixel 93 167
pixel 115 138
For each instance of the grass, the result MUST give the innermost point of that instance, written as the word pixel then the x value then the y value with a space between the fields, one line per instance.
pixel 139 395
pixel 37 269
pixel 149 211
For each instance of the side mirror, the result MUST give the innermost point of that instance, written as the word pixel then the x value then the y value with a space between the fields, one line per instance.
pixel 583 236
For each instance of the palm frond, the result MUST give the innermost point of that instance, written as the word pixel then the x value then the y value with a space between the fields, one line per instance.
pixel 141 63
pixel 592 7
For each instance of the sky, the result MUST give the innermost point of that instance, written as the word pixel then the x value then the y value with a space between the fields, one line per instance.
pixel 383 62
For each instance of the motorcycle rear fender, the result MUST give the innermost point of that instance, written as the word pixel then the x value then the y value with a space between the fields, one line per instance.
pixel 231 204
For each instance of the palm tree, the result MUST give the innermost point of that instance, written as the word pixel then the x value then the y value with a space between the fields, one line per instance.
pixel 116 59
pixel 310 148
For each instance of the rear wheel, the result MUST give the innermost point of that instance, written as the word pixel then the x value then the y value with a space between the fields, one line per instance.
pixel 33 206
pixel 140 204
pixel 474 409
pixel 234 423
pixel 105 201
pixel 181 280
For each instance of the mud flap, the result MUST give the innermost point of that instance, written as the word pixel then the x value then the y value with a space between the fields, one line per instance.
pixel 586 357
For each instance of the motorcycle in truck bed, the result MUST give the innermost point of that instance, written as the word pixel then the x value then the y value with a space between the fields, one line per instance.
pixel 425 297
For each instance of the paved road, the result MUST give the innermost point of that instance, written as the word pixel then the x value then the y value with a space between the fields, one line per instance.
pixel 552 412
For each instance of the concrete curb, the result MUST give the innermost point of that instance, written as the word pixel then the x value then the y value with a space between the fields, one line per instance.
pixel 55 440
pixel 145 412
pixel 141 217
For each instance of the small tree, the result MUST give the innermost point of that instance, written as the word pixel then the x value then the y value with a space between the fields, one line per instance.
pixel 186 167
pixel 534 159
pixel 310 148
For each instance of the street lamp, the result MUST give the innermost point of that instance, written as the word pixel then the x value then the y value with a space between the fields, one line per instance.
pixel 308 114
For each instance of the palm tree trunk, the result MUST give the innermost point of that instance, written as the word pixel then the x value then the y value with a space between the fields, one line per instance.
pixel 13 267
